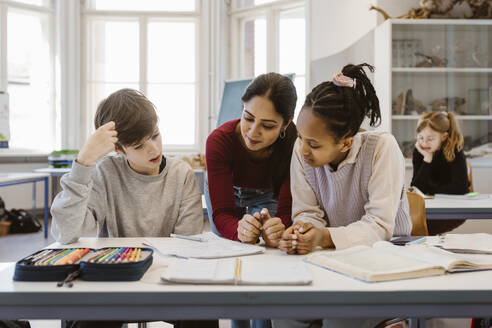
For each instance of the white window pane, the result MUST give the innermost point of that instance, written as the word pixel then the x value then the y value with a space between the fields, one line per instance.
pixel 254 32
pixel 143 5
pixel 100 91
pixel 29 81
pixel 171 52
pixel 114 51
pixel 175 105
pixel 43 3
pixel 292 42
pixel 31 122
pixel 300 84
pixel 251 3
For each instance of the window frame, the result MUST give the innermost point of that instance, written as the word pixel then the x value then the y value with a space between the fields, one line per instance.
pixel 47 12
pixel 143 18
pixel 271 12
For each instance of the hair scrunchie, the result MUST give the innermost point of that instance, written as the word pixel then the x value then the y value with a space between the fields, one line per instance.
pixel 343 81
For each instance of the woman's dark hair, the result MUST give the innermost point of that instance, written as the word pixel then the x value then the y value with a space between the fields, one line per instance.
pixel 280 90
pixel 343 108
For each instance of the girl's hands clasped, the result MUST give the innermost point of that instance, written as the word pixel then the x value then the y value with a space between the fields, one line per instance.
pixel 250 228
pixel 303 238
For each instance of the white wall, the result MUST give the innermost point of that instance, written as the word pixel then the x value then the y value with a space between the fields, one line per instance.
pixel 336 24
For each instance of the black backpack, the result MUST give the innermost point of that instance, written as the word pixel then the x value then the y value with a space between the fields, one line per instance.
pixel 14 324
pixel 22 222
pixel 4 215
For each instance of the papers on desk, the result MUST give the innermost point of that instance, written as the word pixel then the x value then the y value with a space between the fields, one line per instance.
pixel 474 243
pixel 235 271
pixel 470 196
pixel 211 247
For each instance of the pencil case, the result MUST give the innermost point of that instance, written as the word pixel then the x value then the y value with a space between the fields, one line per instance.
pixel 104 264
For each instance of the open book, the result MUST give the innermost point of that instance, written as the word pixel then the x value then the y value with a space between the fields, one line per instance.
pixel 237 271
pixel 385 261
pixel 474 243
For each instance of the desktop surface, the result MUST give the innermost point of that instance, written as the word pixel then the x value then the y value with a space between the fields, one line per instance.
pixel 330 295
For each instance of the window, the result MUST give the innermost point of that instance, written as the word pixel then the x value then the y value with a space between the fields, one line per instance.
pixel 270 36
pixel 28 52
pixel 151 46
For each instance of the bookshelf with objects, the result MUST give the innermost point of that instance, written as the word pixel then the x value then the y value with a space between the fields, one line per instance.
pixel 435 65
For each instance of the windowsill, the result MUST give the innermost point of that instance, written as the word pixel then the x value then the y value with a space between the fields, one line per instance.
pixel 21 152
pixel 20 155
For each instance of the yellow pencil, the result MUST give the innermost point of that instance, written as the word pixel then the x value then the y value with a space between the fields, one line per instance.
pixel 237 271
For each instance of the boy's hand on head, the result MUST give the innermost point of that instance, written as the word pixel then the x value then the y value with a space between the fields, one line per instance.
pixel 427 155
pixel 288 243
pixel 273 228
pixel 248 228
pixel 99 144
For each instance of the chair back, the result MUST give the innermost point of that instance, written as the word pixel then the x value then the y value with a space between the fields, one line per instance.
pixel 417 214
pixel 469 171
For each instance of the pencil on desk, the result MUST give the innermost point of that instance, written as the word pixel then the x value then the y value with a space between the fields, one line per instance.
pixel 194 238
pixel 237 271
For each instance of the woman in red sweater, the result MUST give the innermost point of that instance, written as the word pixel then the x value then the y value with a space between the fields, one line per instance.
pixel 248 160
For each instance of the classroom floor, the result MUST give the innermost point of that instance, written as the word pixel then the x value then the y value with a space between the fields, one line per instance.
pixel 14 247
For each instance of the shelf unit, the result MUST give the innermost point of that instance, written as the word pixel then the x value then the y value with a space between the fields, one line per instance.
pixel 466 78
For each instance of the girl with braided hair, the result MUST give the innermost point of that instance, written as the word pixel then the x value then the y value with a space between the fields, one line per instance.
pixel 347 185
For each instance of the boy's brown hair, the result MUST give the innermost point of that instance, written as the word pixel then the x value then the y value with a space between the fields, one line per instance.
pixel 134 116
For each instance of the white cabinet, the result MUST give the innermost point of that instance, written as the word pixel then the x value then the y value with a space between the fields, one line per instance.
pixel 457 75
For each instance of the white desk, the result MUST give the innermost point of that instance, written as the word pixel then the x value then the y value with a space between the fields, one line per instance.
pixel 10 179
pixel 330 295
pixel 442 208
pixel 58 172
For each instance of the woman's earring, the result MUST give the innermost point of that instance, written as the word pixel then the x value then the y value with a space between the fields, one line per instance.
pixel 282 134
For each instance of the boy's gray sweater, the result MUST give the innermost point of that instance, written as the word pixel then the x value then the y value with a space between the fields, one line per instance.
pixel 120 202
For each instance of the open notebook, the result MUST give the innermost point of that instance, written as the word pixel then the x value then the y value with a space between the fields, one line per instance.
pixel 210 247
pixel 237 271
pixel 385 261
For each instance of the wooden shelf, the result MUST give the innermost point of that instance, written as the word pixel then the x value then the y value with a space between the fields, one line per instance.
pixel 459 117
pixel 460 70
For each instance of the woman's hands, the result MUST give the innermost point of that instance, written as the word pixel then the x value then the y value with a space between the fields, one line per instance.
pixel 303 238
pixel 273 228
pixel 250 228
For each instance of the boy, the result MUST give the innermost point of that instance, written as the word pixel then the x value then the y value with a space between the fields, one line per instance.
pixel 139 192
